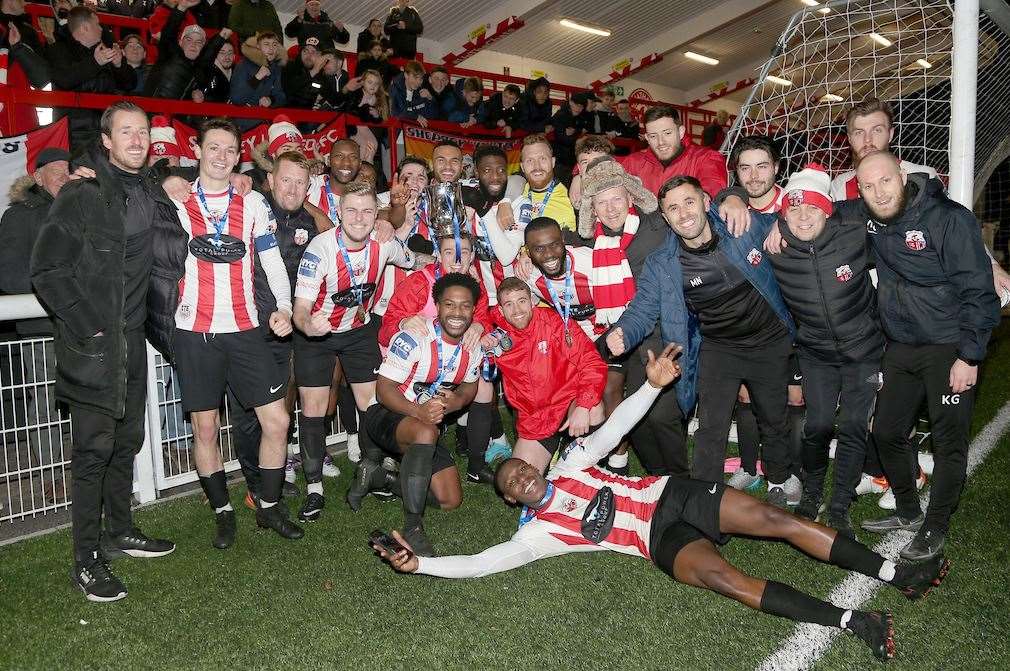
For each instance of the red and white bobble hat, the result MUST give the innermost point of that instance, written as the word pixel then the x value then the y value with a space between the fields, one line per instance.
pixel 281 132
pixel 810 185
pixel 163 142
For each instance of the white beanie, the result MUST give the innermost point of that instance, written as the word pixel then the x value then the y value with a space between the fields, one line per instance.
pixel 281 132
pixel 163 141
pixel 810 185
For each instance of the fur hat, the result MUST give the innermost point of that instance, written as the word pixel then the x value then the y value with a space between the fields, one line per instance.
pixel 281 132
pixel 605 173
pixel 163 141
pixel 810 185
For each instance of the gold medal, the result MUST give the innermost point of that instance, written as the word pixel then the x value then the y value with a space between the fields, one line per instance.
pixel 568 338
pixel 361 313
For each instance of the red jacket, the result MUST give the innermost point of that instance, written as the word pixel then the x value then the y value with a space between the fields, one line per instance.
pixel 542 375
pixel 706 165
pixel 413 296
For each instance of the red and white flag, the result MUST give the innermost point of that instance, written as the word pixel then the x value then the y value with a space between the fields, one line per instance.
pixel 18 153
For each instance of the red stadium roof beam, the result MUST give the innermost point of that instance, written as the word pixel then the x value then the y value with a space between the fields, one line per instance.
pixel 723 92
pixel 626 70
pixel 481 37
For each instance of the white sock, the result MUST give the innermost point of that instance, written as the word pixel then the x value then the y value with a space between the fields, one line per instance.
pixel 226 507
pixel 886 572
pixel 618 460
pixel 846 616
pixel 315 488
pixel 267 504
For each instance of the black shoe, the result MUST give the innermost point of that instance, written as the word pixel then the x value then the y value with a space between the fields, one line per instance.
pixel 276 517
pixel 876 630
pixel 893 523
pixel 94 577
pixel 809 505
pixel 312 508
pixel 135 544
pixel 483 477
pixel 841 523
pixel 390 490
pixel 289 490
pixel 917 579
pixel 927 544
pixel 367 477
pixel 419 542
pixel 226 529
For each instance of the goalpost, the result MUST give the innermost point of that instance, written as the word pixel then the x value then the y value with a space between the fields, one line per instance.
pixel 943 67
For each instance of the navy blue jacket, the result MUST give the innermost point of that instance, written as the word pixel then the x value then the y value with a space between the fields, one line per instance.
pixel 659 296
pixel 418 105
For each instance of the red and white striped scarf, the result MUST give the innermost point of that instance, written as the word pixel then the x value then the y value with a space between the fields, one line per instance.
pixel 613 284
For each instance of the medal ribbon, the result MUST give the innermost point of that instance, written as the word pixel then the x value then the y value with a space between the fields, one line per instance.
pixel 218 223
pixel 356 288
pixel 433 388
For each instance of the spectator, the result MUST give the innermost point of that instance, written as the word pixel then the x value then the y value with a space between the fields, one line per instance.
pixel 85 64
pixel 627 125
pixel 159 17
pixel 445 98
pixel 602 120
pixel 403 25
pixel 213 80
pixel 27 64
pixel 407 99
pixel 334 80
pixel 254 84
pixel 369 102
pixel 250 17
pixel 470 104
pixel 313 22
pixel 138 9
pixel 301 76
pixel 376 59
pixel 535 107
pixel 373 33
pixel 503 110
pixel 569 122
pixel 164 145
pixel 184 61
pixel 136 57
pixel 713 134
pixel 211 14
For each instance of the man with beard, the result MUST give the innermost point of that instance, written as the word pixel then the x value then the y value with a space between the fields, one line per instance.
pixel 717 294
pixel 677 524
pixel 217 339
pixel 295 227
pixel 937 307
pixel 544 195
pixel 92 270
pixel 334 294
pixel 422 380
pixel 325 190
pixel 551 373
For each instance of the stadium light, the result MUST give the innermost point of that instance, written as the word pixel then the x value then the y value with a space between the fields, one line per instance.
pixel 923 63
pixel 811 3
pixel 880 39
pixel 701 59
pixel 568 23
pixel 831 98
pixel 781 81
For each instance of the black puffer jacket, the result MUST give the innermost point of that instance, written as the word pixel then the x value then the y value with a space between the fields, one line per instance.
pixel 73 68
pixel 174 76
pixel 826 286
pixel 77 271
pixel 303 26
pixel 935 282
pixel 19 228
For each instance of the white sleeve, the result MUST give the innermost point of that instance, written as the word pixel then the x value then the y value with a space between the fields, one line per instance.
pixel 277 277
pixel 397 253
pixel 401 358
pixel 504 244
pixel 600 443
pixel 312 269
pixel 497 558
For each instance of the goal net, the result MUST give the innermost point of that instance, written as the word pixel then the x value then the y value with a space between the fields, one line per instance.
pixel 838 53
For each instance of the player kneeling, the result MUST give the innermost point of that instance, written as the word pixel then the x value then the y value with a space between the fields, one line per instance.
pixel 423 380
pixel 675 522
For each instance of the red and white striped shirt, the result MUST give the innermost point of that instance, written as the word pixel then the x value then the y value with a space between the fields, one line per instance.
pixel 413 363
pixel 319 187
pixel 582 308
pixel 216 294
pixel 773 206
pixel 325 279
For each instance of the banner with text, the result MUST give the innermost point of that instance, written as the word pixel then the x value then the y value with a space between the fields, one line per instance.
pixel 421 142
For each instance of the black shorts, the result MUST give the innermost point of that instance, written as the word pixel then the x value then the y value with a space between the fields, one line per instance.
pixel 206 362
pixel 796 379
pixel 380 423
pixel 688 510
pixel 358 350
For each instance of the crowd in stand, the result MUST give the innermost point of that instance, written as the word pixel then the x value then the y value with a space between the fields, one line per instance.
pixel 416 307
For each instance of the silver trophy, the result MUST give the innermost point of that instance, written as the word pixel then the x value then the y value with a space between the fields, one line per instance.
pixel 446 212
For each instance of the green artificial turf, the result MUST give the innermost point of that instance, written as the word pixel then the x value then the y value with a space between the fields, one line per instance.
pixel 326 602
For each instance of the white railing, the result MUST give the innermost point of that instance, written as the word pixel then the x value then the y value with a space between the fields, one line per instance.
pixel 36 431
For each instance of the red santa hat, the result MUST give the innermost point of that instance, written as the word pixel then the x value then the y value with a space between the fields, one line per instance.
pixel 810 185
pixel 281 132
pixel 163 142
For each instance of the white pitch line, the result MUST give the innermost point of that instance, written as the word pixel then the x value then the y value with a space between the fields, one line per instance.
pixel 809 642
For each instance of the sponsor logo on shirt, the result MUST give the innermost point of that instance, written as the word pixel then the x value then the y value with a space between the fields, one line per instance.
pixel 754 257
pixel 403 344
pixel 843 273
pixel 309 265
pixel 915 240
pixel 598 519
pixel 223 249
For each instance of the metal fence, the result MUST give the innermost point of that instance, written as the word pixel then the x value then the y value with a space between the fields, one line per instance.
pixel 35 477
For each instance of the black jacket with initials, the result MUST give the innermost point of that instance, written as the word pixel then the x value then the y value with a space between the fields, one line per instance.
pixel 826 286
pixel 935 283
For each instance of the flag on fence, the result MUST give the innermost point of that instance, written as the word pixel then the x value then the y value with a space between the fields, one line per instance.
pixel 18 153
pixel 420 142
pixel 315 145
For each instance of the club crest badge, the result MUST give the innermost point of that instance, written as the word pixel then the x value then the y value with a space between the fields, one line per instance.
pixel 915 240
pixel 843 273
pixel 754 257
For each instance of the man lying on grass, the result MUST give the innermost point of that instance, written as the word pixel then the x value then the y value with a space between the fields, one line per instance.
pixel 677 523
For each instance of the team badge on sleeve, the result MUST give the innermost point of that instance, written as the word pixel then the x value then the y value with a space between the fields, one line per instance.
pixel 843 273
pixel 403 344
pixel 309 265
pixel 915 240
pixel 754 257
pixel 301 236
